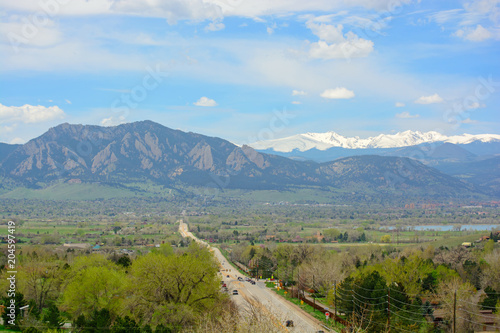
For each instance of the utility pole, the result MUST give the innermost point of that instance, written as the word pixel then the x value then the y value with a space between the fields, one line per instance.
pixel 454 311
pixel 298 282
pixel 335 297
pixel 314 296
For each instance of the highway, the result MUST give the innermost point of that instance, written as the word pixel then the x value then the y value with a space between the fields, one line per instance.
pixel 258 295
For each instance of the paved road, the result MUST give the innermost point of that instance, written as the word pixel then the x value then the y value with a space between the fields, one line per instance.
pixel 258 294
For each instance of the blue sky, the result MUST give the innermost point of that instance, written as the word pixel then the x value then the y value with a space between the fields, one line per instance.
pixel 247 70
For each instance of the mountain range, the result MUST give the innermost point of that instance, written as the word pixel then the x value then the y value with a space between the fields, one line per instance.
pixel 147 151
pixel 324 141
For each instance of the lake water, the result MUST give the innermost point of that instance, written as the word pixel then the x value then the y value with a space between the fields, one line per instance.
pixel 448 227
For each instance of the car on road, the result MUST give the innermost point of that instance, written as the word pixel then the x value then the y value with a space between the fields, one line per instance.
pixel 289 323
pixel 240 278
pixel 235 292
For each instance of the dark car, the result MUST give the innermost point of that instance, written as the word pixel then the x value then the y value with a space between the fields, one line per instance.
pixel 289 323
pixel 235 292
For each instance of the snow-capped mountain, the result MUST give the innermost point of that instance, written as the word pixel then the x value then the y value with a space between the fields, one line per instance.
pixel 324 141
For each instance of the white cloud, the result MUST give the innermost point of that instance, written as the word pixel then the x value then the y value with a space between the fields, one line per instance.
pixel 337 93
pixel 276 7
pixel 400 105
pixel 215 26
pixel 296 102
pixel 445 16
pixel 7 128
pixel 113 121
pixel 469 121
pixel 481 9
pixel 197 10
pixel 474 105
pixel 270 29
pixel 205 101
pixel 474 35
pixel 429 99
pixel 19 31
pixel 477 21
pixel 17 141
pixel 172 10
pixel 333 44
pixel 327 32
pixel 29 113
pixel 406 115
pixel 345 50
pixel 298 93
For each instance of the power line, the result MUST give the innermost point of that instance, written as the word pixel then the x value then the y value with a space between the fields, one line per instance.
pixel 373 298
pixel 409 304
pixel 406 318
pixel 384 289
pixel 372 304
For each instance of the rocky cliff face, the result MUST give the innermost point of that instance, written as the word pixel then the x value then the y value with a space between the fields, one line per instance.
pixel 131 150
pixel 146 150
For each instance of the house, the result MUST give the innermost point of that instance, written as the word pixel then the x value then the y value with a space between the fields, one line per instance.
pixel 319 237
pixel 487 321
pixel 466 244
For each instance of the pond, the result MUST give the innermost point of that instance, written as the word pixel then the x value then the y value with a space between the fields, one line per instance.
pixel 449 227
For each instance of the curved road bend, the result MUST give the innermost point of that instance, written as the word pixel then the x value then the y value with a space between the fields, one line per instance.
pixel 258 294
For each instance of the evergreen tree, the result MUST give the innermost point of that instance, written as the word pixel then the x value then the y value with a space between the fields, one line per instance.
pixel 162 329
pixel 124 261
pixel 52 317
pixel 125 325
pixel 146 329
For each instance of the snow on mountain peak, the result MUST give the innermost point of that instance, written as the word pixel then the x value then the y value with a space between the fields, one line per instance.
pixel 324 141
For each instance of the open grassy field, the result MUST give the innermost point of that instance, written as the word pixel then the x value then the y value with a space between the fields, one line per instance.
pixel 89 191
pixel 64 191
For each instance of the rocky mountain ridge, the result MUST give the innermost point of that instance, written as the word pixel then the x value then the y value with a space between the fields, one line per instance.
pixel 149 151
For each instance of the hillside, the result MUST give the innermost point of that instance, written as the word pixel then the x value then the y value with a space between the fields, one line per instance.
pixel 485 173
pixel 6 149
